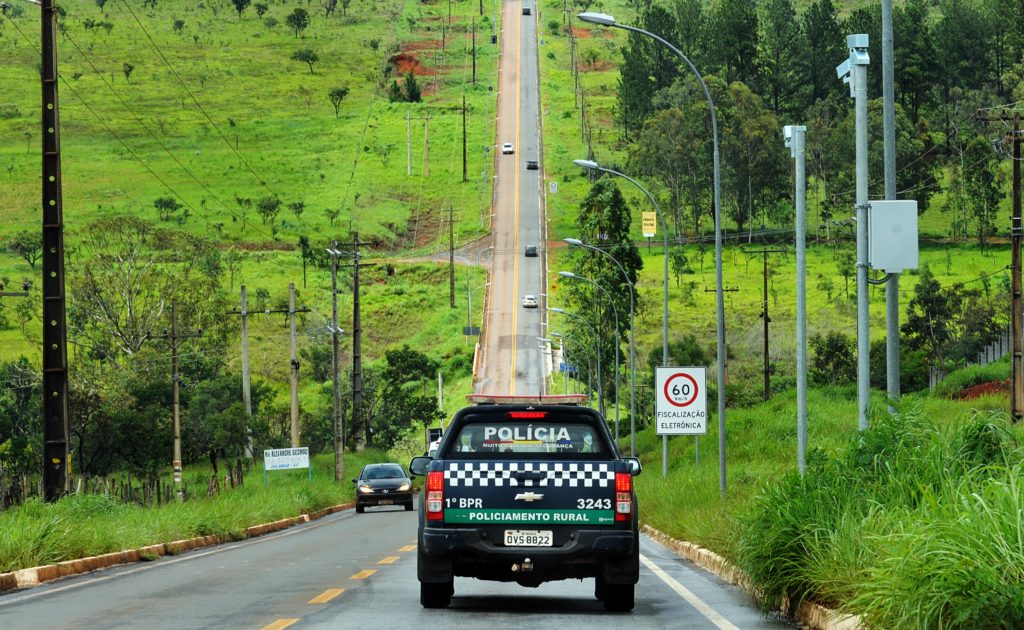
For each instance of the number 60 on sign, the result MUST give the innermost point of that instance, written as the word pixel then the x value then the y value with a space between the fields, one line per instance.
pixel 681 401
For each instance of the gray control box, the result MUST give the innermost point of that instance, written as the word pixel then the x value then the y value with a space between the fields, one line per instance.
pixel 892 235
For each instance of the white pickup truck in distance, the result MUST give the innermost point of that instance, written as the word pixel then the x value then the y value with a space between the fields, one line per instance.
pixel 528 491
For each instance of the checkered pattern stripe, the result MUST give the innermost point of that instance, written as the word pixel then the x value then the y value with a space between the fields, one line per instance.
pixel 498 474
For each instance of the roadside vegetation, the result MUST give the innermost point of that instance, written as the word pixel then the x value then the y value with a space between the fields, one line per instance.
pixel 79 525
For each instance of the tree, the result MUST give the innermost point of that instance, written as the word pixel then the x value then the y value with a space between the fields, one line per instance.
pixel 345 4
pixel 929 316
pixel 130 272
pixel 21 440
pixel 127 69
pixel 28 245
pixel 679 262
pixel 982 186
pixel 832 360
pixel 297 208
pixel 647 66
pixel 261 9
pixel 268 208
pixel 166 207
pixel 240 6
pixel 329 7
pixel 603 220
pixel 412 88
pixel 307 56
pixel 734 24
pixel 298 20
pixel 319 359
pixel 403 403
pixel 685 351
pixel 824 46
pixel 337 95
pixel 779 56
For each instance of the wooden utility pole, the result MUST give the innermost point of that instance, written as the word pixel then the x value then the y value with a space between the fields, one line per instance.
pixel 473 31
pixel 1016 306
pixel 292 312
pixel 426 144
pixel 174 336
pixel 765 317
pixel 451 256
pixel 339 427
pixel 360 430
pixel 464 177
pixel 246 392
pixel 55 334
pixel 408 141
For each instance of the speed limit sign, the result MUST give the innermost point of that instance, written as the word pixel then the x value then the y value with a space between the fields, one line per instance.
pixel 681 400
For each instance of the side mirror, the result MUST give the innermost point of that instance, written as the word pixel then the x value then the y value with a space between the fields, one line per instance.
pixel 354 480
pixel 634 466
pixel 418 466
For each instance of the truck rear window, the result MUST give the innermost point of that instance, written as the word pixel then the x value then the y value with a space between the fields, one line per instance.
pixel 499 436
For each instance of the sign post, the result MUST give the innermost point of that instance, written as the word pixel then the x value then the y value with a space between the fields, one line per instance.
pixel 681 405
pixel 286 459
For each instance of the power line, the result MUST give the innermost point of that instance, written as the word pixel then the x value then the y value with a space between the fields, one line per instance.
pixel 216 128
pixel 154 136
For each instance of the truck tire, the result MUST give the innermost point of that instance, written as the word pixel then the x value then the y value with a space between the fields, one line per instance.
pixel 436 594
pixel 618 597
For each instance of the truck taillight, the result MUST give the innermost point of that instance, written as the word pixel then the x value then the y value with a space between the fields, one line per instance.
pixel 623 496
pixel 435 496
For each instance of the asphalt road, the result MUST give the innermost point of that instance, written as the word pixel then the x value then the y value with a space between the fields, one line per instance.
pixel 512 361
pixel 359 571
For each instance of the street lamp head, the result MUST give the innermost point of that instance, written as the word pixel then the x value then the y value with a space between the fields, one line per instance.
pixel 590 165
pixel 597 18
pixel 573 241
pixel 567 274
pixel 544 339
pixel 556 334
pixel 555 309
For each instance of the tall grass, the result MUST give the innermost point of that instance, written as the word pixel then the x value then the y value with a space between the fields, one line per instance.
pixel 77 526
pixel 913 525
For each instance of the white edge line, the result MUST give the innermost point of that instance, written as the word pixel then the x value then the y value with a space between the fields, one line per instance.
pixel 709 612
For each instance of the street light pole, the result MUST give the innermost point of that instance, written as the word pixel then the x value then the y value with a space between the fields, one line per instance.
pixel 592 165
pixel 600 387
pixel 615 310
pixel 600 18
pixel 632 341
pixel 794 136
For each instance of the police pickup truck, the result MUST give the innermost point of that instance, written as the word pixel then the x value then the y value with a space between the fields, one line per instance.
pixel 528 490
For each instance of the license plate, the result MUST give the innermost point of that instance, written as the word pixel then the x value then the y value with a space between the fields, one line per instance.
pixel 528 538
pixel 385 502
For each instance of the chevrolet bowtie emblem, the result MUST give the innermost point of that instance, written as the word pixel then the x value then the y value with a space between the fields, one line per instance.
pixel 529 497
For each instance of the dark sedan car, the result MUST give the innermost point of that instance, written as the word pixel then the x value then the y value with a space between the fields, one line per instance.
pixel 383 484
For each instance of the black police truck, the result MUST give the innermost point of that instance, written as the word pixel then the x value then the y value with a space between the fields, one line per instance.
pixel 528 490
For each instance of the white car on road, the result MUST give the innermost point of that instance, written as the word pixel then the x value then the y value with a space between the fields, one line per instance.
pixel 529 301
pixel 507 148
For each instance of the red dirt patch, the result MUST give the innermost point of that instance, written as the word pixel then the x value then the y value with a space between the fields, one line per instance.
pixel 582 33
pixel 985 389
pixel 406 63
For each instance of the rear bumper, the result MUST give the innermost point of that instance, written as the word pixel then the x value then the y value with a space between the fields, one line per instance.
pixel 611 554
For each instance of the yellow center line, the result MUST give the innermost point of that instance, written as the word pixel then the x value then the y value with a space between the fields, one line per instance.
pixel 408 548
pixel 326 596
pixel 389 560
pixel 515 197
pixel 362 575
pixel 280 624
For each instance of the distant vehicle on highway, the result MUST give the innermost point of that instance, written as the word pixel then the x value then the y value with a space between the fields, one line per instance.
pixel 531 165
pixel 526 11
pixel 383 484
pixel 529 301
pixel 528 491
pixel 507 148
pixel 531 251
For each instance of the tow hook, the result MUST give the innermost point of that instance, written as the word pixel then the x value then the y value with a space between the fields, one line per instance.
pixel 525 567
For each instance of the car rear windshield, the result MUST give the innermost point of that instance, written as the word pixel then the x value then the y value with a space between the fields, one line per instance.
pixel 516 435
pixel 384 472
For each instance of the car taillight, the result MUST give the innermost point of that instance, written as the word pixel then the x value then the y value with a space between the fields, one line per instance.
pixel 435 496
pixel 623 496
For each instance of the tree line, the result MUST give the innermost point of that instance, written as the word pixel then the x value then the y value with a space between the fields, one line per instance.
pixel 127 274
pixel 767 65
